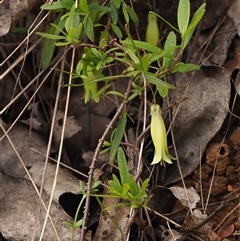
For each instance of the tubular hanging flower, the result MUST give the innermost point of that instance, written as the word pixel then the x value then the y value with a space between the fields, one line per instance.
pixel 159 137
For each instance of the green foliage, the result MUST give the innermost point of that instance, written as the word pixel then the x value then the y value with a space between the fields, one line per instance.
pixel 127 188
pixel 146 65
pixel 118 135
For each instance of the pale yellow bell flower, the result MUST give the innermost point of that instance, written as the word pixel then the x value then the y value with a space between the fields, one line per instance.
pixel 152 32
pixel 159 137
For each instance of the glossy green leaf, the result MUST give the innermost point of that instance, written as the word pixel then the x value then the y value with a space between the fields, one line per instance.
pixel 125 12
pixel 69 24
pixel 116 93
pixel 117 3
pixel 183 68
pixel 78 223
pixel 71 34
pixel 97 53
pixel 123 167
pixel 61 44
pixel 82 187
pixel 183 15
pixel 125 191
pixel 79 31
pixel 89 29
pixel 163 91
pixel 114 12
pixel 170 44
pixel 84 6
pixel 193 24
pixel 67 4
pixel 133 56
pixel 49 44
pixel 118 136
pixel 99 8
pixel 133 16
pixel 116 30
pixel 51 36
pixel 115 184
pixel 104 38
pixel 145 62
pixel 53 6
pixel 68 224
pixel 133 186
pixel 141 44
pixel 155 80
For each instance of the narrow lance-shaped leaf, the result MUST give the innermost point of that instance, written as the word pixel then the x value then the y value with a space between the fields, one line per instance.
pixel 118 136
pixel 114 12
pixel 84 6
pixel 89 29
pixel 170 43
pixel 49 44
pixel 125 12
pixel 193 24
pixel 133 16
pixel 123 167
pixel 183 15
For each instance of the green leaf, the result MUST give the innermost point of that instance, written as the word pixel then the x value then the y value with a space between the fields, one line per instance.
pixel 133 56
pixel 145 62
pixel 79 31
pixel 117 93
pixel 61 44
pixel 170 43
pixel 99 8
pixel 104 38
pixel 114 12
pixel 67 4
pixel 183 15
pixel 117 3
pixel 84 6
pixel 125 12
pixel 82 187
pixel 123 167
pixel 71 34
pixel 142 45
pixel 96 53
pixel 182 68
pixel 193 24
pixel 118 136
pixel 163 92
pixel 116 30
pixel 53 6
pixel 51 36
pixel 125 191
pixel 69 21
pixel 68 224
pixel 49 44
pixel 89 29
pixel 115 184
pixel 78 223
pixel 162 53
pixel 133 186
pixel 95 184
pixel 133 16
pixel 155 80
